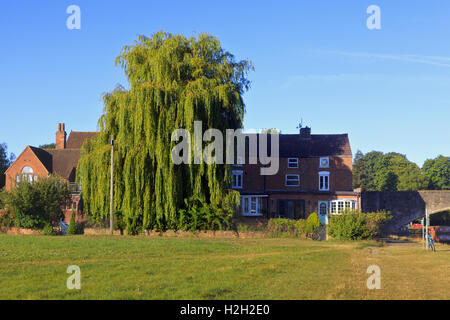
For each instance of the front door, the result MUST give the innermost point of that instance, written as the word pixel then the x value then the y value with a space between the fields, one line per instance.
pixel 323 212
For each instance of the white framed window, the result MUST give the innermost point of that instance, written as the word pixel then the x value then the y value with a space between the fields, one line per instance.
pixel 252 205
pixel 292 180
pixel 237 181
pixel 292 162
pixel 324 162
pixel 324 181
pixel 340 206
pixel 27 175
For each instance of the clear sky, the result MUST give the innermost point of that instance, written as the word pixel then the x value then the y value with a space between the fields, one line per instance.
pixel 389 89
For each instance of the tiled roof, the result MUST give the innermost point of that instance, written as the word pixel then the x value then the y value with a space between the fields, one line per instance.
pixel 319 145
pixel 77 138
pixel 63 162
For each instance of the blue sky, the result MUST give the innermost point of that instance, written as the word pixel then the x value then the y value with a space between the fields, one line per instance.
pixel 389 89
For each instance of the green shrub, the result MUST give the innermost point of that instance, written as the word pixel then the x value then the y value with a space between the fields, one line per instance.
pixel 48 230
pixel 72 225
pixel 282 227
pixel 134 225
pixel 35 204
pixel 6 221
pixel 353 225
pixel 119 222
pixel 201 216
pixel 312 223
pixel 79 228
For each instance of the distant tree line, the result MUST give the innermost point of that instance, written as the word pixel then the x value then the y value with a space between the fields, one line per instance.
pixel 377 171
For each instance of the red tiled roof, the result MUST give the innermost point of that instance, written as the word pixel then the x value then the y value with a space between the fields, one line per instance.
pixel 63 162
pixel 77 138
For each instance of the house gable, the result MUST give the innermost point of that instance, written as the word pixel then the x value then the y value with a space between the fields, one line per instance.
pixel 28 158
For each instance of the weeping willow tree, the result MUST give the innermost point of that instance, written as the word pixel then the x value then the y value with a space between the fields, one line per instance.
pixel 173 81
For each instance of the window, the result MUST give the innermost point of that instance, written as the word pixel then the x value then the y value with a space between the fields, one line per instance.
pixel 339 206
pixel 26 175
pixel 252 206
pixel 292 180
pixel 293 163
pixel 324 162
pixel 237 179
pixel 324 181
pixel 323 208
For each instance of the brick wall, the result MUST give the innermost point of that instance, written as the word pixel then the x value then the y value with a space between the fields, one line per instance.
pixel 26 158
pixel 340 175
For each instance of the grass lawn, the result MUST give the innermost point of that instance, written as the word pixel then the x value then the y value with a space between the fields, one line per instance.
pixel 114 267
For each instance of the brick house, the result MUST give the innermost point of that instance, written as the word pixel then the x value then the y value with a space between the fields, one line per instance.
pixel 315 175
pixel 34 162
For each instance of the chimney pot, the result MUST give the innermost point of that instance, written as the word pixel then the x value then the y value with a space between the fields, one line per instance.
pixel 305 133
pixel 61 137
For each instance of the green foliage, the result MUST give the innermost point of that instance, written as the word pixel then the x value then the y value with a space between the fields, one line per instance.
pixel 376 171
pixel 35 204
pixel 6 221
pixel 173 82
pixel 71 230
pixel 5 161
pixel 48 146
pixel 312 223
pixel 48 230
pixel 353 225
pixel 282 227
pixel 437 173
pixel 199 215
pixel 119 222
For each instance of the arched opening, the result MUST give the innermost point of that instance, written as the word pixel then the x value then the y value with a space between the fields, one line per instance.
pixel 26 175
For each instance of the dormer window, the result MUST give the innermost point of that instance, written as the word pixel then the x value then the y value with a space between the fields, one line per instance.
pixel 292 162
pixel 324 162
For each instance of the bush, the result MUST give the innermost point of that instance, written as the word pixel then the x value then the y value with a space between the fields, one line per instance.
pixel 72 225
pixel 35 204
pixel 6 221
pixel 282 227
pixel 356 225
pixel 48 230
pixel 79 228
pixel 201 216
pixel 312 223
pixel 119 222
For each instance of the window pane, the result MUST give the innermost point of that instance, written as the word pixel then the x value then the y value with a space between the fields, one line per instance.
pixel 340 206
pixel 27 170
pixel 253 204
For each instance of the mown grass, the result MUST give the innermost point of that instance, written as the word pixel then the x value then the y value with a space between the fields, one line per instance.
pixel 34 267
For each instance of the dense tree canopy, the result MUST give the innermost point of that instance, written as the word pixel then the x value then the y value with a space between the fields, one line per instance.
pixel 5 161
pixel 173 81
pixel 376 171
pixel 437 173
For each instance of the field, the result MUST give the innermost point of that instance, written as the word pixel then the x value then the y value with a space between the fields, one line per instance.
pixel 114 267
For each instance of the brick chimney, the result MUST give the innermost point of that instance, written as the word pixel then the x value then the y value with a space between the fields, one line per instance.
pixel 61 136
pixel 305 133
